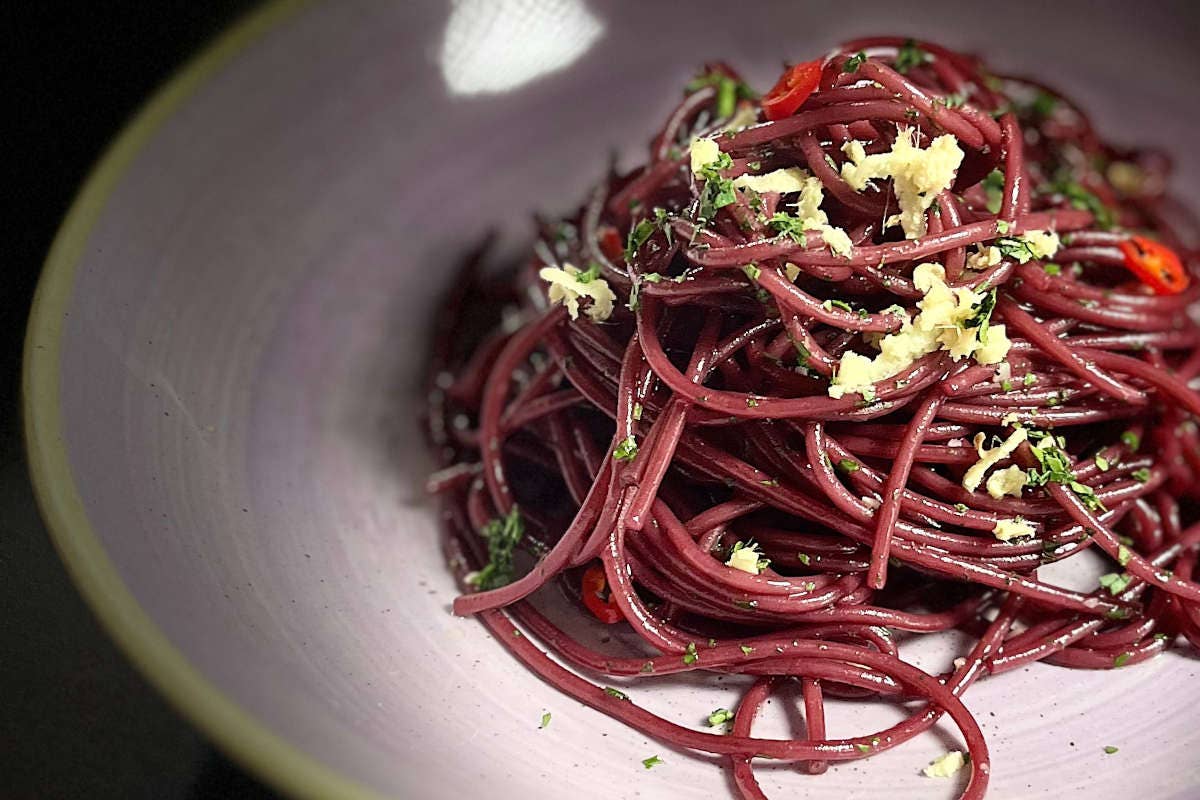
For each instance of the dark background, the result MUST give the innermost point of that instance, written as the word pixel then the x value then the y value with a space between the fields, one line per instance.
pixel 77 721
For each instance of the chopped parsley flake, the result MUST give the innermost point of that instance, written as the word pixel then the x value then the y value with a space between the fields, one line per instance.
pixel 652 761
pixel 1109 749
pixel 804 558
pixel 690 656
pixel 910 55
pixel 863 748
pixel 1084 200
pixel 617 693
pixel 639 234
pixel 1121 659
pixel 1051 268
pixel 1015 247
pixel 718 191
pixel 1043 105
pixel 1131 440
pixel 502 536
pixel 590 274
pixel 1102 463
pixel 982 316
pixel 545 720
pixel 854 62
pixel 719 717
pixel 993 187
pixel 1141 475
pixel 627 449
pixel 1115 582
pixel 1055 467
pixel 786 224
pixel 848 465
pixel 729 91
pixel 746 649
pixel 752 271
pixel 1124 554
pixel 955 100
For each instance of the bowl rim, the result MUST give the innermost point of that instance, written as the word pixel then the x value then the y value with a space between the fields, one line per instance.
pixel 238 734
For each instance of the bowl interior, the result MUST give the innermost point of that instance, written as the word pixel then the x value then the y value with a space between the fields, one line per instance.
pixel 239 370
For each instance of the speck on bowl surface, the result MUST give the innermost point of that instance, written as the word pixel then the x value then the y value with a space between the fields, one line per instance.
pixel 222 372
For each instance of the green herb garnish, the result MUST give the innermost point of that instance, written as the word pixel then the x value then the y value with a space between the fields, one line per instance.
pixel 502 536
pixel 854 62
pixel 718 190
pixel 910 55
pixel 545 720
pixel 1016 248
pixel 728 91
pixel 1109 749
pixel 829 305
pixel 1043 105
pixel 652 761
pixel 627 449
pixel 1115 582
pixel 847 465
pixel 787 225
pixel 1131 440
pixel 982 316
pixel 718 717
pixel 617 693
pixel 1080 198
pixel 1140 475
pixel 993 187
pixel 689 655
pixel 1121 659
pixel 590 274
pixel 639 234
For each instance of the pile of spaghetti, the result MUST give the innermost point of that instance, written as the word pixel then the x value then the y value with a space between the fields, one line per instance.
pixel 838 366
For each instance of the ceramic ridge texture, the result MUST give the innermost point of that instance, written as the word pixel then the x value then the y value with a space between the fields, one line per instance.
pixel 221 392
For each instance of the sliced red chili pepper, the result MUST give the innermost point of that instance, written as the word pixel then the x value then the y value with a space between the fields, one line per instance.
pixel 591 588
pixel 791 90
pixel 1155 265
pixel 611 244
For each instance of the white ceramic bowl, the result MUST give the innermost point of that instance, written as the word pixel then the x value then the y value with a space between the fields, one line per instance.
pixel 224 354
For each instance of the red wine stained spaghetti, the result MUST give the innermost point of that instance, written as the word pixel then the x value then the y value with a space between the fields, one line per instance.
pixel 856 358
